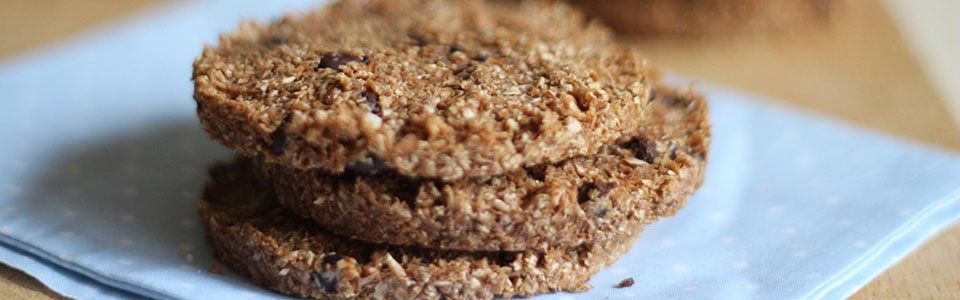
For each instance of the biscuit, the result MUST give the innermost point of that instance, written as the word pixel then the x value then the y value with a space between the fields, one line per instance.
pixel 580 200
pixel 294 256
pixel 707 17
pixel 438 89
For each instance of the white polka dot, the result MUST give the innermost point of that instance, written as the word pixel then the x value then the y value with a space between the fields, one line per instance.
pixel 860 244
pixel 73 189
pixel 135 149
pixel 775 209
pixel 13 190
pixel 832 200
pixel 814 275
pixel 67 233
pixel 129 191
pixel 187 222
pixel 753 286
pixel 728 240
pixel 690 288
pixel 81 127
pixel 188 170
pixel 69 213
pixel 805 161
pixel 75 170
pixel 741 265
pixel 619 271
pixel 946 187
pixel 128 218
pixel 905 212
pixel 716 217
pixel 248 294
pixel 90 290
pixel 6 230
pixel 845 222
pixel 186 247
pixel 860 157
pixel 801 253
pixel 133 169
pixel 819 179
pixel 124 261
pixel 126 242
pixel 668 243
pixel 789 231
pixel 680 268
pixel 22 144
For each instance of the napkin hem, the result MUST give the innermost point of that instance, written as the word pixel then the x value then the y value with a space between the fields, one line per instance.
pixel 15 244
pixel 900 243
pixel 55 278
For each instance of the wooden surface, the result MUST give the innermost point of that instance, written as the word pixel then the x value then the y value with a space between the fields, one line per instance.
pixel 858 69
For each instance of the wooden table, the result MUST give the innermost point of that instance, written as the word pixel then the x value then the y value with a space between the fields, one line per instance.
pixel 858 70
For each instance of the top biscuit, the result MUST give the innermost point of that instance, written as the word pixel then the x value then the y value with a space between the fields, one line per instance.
pixel 436 89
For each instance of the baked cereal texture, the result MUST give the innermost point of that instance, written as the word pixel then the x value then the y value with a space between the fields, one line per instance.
pixel 707 17
pixel 291 255
pixel 638 180
pixel 439 89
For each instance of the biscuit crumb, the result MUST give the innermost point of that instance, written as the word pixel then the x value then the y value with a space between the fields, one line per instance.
pixel 216 269
pixel 625 283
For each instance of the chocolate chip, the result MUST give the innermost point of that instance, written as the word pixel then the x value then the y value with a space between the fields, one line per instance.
pixel 603 188
pixel 464 73
pixel 279 139
pixel 275 40
pixel 419 40
pixel 332 259
pixel 481 58
pixel 642 148
pixel 594 190
pixel 625 283
pixel 326 281
pixel 583 104
pixel 505 257
pixel 373 101
pixel 334 60
pixel 538 172
pixel 601 211
pixel 407 190
pixel 455 48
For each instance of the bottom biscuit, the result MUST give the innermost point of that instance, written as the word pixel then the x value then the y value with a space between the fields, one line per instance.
pixel 292 255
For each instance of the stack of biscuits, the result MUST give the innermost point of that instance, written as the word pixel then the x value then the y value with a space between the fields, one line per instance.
pixel 438 149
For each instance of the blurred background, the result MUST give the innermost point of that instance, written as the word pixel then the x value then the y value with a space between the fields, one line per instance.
pixel 889 65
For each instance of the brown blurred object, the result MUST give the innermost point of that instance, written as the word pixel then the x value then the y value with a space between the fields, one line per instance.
pixel 860 71
pixel 708 17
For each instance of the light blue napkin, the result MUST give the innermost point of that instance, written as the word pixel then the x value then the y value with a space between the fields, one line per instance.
pixel 102 162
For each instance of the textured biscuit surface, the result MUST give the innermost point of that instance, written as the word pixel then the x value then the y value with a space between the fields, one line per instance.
pixel 707 17
pixel 580 200
pixel 439 89
pixel 286 253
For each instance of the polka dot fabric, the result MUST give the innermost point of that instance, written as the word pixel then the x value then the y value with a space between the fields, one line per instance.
pixel 103 162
